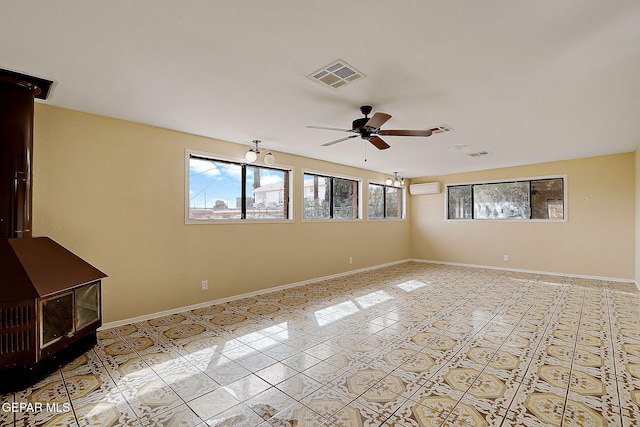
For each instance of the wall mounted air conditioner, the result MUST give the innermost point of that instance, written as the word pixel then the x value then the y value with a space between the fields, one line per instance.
pixel 424 188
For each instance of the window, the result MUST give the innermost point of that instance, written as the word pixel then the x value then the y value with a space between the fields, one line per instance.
pixel 221 190
pixel 386 202
pixel 515 200
pixel 547 198
pixel 376 201
pixel 267 193
pixel 329 197
pixel 504 200
pixel 459 202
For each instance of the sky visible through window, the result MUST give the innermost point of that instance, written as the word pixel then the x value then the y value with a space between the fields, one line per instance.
pixel 210 181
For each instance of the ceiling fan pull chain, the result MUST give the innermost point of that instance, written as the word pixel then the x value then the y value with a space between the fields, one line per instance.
pixel 365 151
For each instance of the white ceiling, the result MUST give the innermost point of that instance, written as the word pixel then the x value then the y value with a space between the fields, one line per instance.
pixel 528 81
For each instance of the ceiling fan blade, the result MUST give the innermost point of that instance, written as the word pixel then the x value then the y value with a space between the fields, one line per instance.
pixel 378 142
pixel 328 128
pixel 326 144
pixel 404 132
pixel 440 129
pixel 377 120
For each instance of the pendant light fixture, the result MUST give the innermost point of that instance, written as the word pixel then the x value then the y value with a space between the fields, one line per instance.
pixel 269 158
pixel 252 154
pixel 396 181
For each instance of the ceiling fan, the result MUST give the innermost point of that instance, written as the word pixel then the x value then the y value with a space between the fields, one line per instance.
pixel 369 129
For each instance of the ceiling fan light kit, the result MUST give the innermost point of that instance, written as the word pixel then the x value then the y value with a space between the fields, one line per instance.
pixel 369 129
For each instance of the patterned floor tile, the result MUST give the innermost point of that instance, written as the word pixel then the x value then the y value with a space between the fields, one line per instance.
pixel 247 387
pixel 276 373
pixel 299 386
pixel 223 370
pixel 153 399
pixel 237 416
pixel 299 415
pixel 269 403
pixel 213 403
pixel 179 416
pixel 411 344
pixel 106 412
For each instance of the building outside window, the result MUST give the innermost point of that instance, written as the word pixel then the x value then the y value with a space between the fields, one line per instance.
pixel 222 190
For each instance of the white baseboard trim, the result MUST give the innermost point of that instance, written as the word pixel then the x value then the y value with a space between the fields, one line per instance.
pixel 548 273
pixel 145 317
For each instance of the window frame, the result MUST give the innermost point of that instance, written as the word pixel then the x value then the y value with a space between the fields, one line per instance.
pixel 332 176
pixel 507 181
pixel 288 170
pixel 403 190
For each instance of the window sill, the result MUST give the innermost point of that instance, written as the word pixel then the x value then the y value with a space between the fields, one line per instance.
pixel 507 220
pixel 329 220
pixel 240 221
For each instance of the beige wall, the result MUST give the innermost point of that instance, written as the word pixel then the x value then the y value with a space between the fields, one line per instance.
pixel 637 223
pixel 597 240
pixel 113 192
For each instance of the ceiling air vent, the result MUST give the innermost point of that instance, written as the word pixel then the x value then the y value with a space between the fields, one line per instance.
pixel 478 154
pixel 336 74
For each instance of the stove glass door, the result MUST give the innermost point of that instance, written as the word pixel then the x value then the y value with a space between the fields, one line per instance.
pixel 87 305
pixel 57 318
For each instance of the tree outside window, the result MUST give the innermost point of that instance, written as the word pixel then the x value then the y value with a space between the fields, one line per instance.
pixel 328 197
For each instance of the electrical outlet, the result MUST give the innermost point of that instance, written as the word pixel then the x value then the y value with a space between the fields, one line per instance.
pixel 205 285
pixel 506 257
pixel 350 260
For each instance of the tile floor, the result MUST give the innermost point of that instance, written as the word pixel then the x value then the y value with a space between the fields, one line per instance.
pixel 408 345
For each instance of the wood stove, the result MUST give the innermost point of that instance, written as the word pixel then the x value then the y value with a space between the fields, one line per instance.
pixel 50 308
pixel 50 299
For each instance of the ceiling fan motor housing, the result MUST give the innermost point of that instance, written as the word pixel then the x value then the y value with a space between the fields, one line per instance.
pixel 358 124
pixel 366 109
